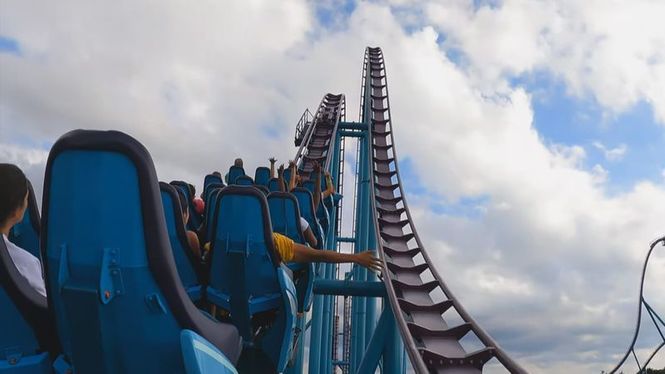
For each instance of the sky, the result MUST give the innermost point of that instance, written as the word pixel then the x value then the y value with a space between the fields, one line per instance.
pixel 530 134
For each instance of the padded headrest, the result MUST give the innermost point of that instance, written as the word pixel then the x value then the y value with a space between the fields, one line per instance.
pixel 229 192
pixel 158 247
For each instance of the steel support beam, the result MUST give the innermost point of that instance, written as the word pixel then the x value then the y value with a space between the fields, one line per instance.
pixel 376 344
pixel 349 288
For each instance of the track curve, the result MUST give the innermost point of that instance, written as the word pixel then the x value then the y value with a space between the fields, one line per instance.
pixel 432 345
pixel 631 346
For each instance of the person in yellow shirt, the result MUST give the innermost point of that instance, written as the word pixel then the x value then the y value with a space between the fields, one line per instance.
pixel 290 251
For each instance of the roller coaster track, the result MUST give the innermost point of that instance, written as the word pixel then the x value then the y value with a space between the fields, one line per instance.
pixel 318 141
pixel 654 318
pixel 432 345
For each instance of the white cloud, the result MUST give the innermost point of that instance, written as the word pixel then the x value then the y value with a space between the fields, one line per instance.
pixel 611 154
pixel 611 50
pixel 549 263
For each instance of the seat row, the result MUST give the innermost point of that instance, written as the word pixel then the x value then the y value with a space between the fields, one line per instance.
pixel 123 288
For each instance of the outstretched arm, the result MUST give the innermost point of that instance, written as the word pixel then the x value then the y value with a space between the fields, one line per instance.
pixel 305 254
pixel 292 181
pixel 330 189
pixel 272 167
pixel 280 177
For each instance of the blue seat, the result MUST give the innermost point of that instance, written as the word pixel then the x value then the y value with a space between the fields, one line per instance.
pixel 287 176
pixel 246 275
pixel 321 212
pixel 113 286
pixel 262 176
pixel 195 219
pixel 244 180
pixel 210 213
pixel 210 190
pixel 25 234
pixel 189 267
pixel 27 333
pixel 211 179
pixel 306 205
pixel 285 218
pixel 273 185
pixel 262 188
pixel 234 172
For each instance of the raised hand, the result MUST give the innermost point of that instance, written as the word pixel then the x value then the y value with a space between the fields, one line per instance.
pixel 272 160
pixel 368 260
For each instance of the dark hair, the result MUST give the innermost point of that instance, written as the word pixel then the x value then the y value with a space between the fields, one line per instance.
pixel 237 162
pixel 13 188
pixel 184 206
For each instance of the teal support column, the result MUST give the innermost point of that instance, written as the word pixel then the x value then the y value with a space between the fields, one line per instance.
pixel 329 269
pixel 376 345
pixel 393 348
pixel 299 349
pixel 360 274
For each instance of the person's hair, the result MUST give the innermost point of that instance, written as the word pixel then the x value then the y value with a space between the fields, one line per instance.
pixel 237 162
pixel 13 188
pixel 217 174
pixel 182 199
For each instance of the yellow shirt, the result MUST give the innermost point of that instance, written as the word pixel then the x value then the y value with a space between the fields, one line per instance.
pixel 284 246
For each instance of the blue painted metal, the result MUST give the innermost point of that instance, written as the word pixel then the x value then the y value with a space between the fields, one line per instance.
pixel 377 344
pixel 188 267
pixel 201 357
pixel 349 288
pixel 245 275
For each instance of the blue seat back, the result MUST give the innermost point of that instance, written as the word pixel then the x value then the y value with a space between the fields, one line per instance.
pixel 273 185
pixel 322 212
pixel 26 329
pixel 210 179
pixel 211 205
pixel 306 205
pixel 263 189
pixel 287 176
pixel 246 276
pixel 189 267
pixel 262 176
pixel 234 172
pixel 210 190
pixel 116 295
pixel 285 218
pixel 285 215
pixel 25 234
pixel 244 180
pixel 195 219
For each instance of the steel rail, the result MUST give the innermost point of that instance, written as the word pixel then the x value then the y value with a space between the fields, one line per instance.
pixel 631 346
pixel 432 345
